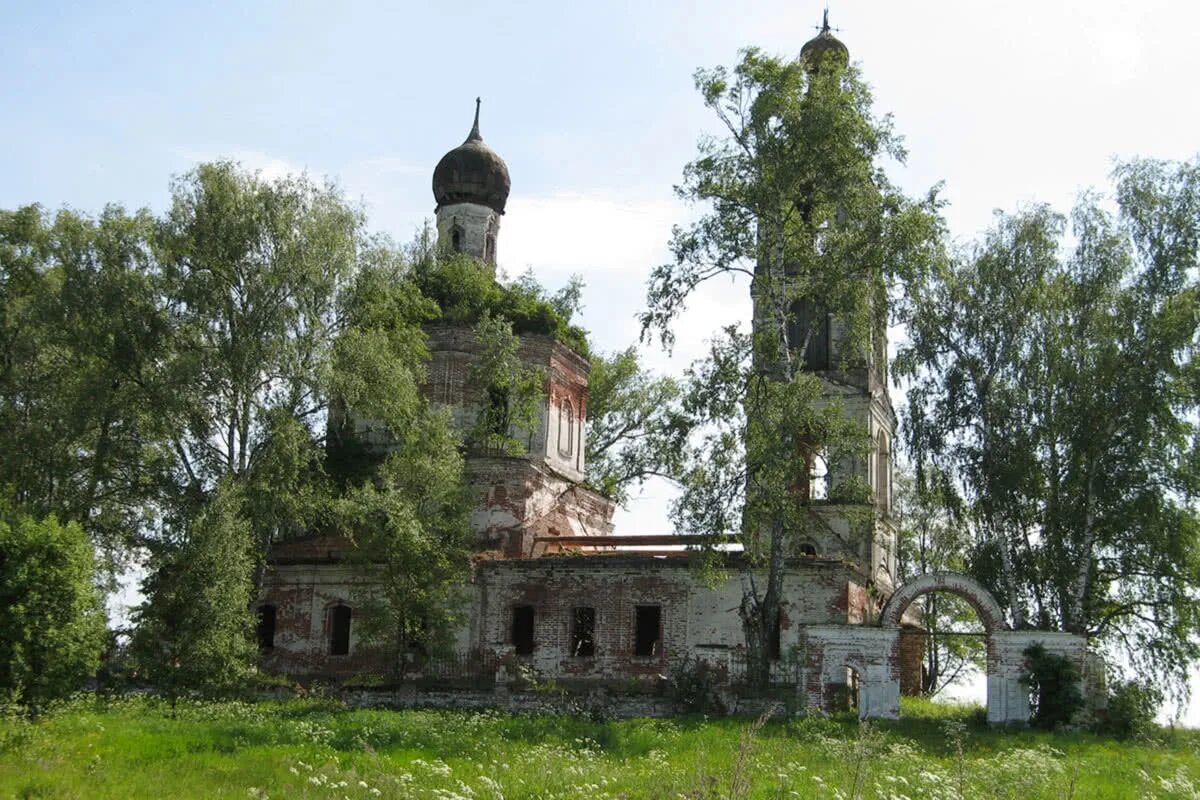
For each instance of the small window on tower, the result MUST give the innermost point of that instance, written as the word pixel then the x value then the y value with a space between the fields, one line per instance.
pixel 456 239
pixel 583 632
pixel 489 248
pixel 647 634
pixel 522 630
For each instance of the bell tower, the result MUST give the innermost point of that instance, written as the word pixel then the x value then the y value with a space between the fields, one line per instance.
pixel 471 185
pixel 852 497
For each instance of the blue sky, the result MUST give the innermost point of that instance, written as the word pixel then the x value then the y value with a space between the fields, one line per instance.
pixel 591 105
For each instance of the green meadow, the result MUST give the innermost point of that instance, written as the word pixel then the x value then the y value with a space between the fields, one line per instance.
pixel 143 748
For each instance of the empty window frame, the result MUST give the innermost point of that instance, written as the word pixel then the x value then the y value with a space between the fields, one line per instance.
pixel 339 630
pixel 583 632
pixel 647 631
pixel 522 630
pixel 266 627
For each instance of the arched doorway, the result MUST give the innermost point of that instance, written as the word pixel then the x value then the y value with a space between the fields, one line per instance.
pixel 914 650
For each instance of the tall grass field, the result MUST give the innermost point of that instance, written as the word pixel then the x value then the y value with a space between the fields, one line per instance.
pixel 142 748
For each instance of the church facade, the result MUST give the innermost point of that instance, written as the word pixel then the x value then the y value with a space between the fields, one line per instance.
pixel 556 592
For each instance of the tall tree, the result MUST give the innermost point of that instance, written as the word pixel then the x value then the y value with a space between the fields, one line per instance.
pixel 193 631
pixel 637 428
pixel 82 338
pixel 1054 377
pixel 253 271
pixel 799 204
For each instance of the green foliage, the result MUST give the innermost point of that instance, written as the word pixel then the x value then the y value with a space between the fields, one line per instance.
pixel 83 340
pixel 694 686
pixel 466 292
pixel 52 629
pixel 797 202
pixel 194 630
pixel 930 540
pixel 410 526
pixel 510 393
pixel 636 425
pixel 1132 706
pixel 1053 369
pixel 1053 682
pixel 139 747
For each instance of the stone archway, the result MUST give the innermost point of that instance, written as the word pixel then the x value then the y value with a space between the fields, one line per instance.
pixel 874 652
pixel 964 586
pixel 1002 691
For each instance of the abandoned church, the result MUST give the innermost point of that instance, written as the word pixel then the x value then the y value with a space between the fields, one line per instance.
pixel 555 592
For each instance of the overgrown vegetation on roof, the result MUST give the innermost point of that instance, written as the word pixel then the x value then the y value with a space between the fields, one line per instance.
pixel 465 291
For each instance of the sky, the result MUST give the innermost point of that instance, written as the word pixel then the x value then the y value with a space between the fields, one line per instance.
pixel 592 106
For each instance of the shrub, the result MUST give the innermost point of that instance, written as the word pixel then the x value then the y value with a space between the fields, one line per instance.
pixel 1053 682
pixel 52 629
pixel 1131 709
pixel 694 685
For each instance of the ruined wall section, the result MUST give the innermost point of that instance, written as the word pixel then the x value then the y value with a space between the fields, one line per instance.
pixel 517 501
pixel 304 582
pixel 558 439
pixel 697 620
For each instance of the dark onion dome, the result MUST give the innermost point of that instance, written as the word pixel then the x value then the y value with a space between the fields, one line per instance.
pixel 472 173
pixel 824 44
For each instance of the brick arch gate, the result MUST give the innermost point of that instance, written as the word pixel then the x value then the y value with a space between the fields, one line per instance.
pixel 964 586
pixel 875 653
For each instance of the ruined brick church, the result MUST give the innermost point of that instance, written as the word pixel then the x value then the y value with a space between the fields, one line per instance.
pixel 554 588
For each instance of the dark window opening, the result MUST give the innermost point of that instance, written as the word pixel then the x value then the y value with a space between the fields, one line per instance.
pixel 339 630
pixel 810 322
pixel 583 633
pixel 489 248
pixel 775 642
pixel 808 550
pixel 456 240
pixel 647 636
pixel 522 630
pixel 266 627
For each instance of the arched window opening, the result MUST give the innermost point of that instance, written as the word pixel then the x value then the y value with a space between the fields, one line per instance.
pixel 883 474
pixel 266 627
pixel 808 549
pixel 566 429
pixel 456 239
pixel 339 630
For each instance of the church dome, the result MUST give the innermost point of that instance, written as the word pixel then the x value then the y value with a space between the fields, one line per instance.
pixel 472 173
pixel 824 44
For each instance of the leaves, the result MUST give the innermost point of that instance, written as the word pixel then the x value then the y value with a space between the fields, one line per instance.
pixel 1052 377
pixel 53 628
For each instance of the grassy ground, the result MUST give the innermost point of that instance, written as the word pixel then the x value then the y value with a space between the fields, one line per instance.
pixel 134 748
